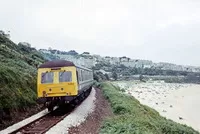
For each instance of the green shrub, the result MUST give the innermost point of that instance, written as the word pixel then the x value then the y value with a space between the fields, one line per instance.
pixel 96 84
pixel 17 75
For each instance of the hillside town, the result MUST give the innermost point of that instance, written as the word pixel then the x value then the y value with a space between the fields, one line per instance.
pixel 89 60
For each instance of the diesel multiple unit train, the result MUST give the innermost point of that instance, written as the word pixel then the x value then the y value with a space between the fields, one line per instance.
pixel 61 82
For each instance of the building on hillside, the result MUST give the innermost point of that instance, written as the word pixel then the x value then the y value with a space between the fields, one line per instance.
pixel 85 53
pixel 147 66
pixel 87 62
pixel 124 59
pixel 136 63
pixel 97 58
pixel 114 60
pixel 44 51
pixel 107 58
pixel 72 52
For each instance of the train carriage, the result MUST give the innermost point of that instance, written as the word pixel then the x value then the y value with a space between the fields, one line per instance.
pixel 62 81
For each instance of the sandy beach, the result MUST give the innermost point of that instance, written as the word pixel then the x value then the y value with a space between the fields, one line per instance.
pixel 178 102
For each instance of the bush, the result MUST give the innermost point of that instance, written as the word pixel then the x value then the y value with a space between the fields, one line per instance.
pixel 96 84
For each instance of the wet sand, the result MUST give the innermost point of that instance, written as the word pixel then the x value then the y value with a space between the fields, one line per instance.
pixel 190 105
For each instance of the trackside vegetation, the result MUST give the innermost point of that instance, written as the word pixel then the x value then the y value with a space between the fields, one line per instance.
pixel 131 117
pixel 18 71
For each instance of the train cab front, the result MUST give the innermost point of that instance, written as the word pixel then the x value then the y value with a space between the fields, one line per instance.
pixel 55 84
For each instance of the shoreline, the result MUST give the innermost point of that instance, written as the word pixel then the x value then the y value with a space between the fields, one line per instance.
pixel 178 102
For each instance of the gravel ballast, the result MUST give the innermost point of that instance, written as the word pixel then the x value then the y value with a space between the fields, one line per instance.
pixel 77 117
pixel 94 121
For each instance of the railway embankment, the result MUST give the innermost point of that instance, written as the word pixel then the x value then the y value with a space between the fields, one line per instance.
pixel 130 116
pixel 18 65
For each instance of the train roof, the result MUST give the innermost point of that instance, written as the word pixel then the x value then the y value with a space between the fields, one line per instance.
pixel 78 66
pixel 60 63
pixel 56 63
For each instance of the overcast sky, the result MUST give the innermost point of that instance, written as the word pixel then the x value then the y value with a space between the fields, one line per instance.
pixel 158 30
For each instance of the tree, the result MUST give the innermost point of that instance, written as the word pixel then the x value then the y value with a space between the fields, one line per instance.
pixel 114 75
pixel 107 77
pixel 96 77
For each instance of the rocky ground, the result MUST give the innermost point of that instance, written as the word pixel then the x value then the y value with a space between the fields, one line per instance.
pixel 94 120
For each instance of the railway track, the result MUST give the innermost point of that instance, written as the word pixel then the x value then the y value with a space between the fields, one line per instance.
pixel 44 123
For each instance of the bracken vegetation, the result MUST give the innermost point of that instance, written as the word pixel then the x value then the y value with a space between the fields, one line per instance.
pixel 17 77
pixel 131 117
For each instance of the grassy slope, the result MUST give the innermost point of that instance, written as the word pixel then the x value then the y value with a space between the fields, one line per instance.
pixel 131 117
pixel 17 75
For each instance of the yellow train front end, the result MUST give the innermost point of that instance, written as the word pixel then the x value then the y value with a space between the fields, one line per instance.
pixel 57 82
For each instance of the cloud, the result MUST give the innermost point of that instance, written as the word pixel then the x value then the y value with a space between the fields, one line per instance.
pixel 154 29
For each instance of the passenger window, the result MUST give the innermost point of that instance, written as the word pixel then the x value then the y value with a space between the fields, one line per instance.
pixel 65 76
pixel 47 77
pixel 79 75
pixel 82 75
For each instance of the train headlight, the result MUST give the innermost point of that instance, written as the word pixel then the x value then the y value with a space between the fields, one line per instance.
pixel 44 93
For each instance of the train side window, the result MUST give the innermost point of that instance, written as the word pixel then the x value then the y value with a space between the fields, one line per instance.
pixel 65 76
pixel 77 77
pixel 79 74
pixel 87 75
pixel 91 75
pixel 82 75
pixel 47 77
